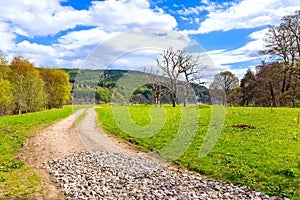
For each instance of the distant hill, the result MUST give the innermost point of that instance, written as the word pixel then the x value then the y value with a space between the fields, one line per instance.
pixel 98 85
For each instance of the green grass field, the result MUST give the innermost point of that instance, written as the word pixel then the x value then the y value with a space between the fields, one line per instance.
pixel 17 180
pixel 264 156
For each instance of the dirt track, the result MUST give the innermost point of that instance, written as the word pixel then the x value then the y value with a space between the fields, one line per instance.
pixel 92 137
pixel 62 139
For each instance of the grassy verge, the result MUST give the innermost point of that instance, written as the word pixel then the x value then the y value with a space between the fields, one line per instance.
pixel 80 118
pixel 264 155
pixel 17 180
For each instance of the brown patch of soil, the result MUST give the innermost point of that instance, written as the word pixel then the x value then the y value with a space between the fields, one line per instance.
pixel 57 141
pixel 244 126
pixel 62 139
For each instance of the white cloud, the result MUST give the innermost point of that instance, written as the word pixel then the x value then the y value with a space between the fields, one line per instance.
pixel 246 14
pixel 52 56
pixel 192 10
pixel 41 18
pixel 78 39
pixel 44 17
pixel 115 15
pixel 222 59
pixel 248 52
pixel 139 40
pixel 7 38
pixel 238 72
pixel 35 48
pixel 37 53
pixel 112 46
pixel 104 19
pixel 129 50
pixel 207 7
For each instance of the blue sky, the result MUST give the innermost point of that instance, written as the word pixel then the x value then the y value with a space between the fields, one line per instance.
pixel 65 33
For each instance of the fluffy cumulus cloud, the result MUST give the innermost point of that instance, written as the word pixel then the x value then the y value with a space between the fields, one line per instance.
pixel 135 48
pixel 7 39
pixel 79 30
pixel 73 33
pixel 37 53
pixel 244 14
pixel 123 15
pixel 41 18
pixel 35 48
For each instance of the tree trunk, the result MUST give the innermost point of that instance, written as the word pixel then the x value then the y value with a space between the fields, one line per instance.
pixel 224 100
pixel 283 82
pixel 184 103
pixel 185 99
pixel 156 101
pixel 173 98
pixel 159 96
pixel 272 95
pixel 174 102
pixel 21 96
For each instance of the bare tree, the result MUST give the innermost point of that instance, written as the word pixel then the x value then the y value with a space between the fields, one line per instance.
pixel 283 43
pixel 177 64
pixel 155 80
pixel 226 81
pixel 189 67
pixel 170 67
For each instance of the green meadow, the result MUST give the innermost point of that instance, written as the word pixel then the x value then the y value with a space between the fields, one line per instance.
pixel 258 147
pixel 17 180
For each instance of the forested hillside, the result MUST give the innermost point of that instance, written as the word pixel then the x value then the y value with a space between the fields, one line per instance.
pixel 99 85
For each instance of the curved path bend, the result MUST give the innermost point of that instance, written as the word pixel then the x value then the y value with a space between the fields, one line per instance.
pixel 62 139
pixel 92 136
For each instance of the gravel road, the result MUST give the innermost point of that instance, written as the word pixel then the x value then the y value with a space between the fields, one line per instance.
pixel 84 163
pixel 92 136
pixel 106 175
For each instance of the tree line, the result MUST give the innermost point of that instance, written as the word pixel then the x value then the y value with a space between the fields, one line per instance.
pixel 99 86
pixel 274 83
pixel 25 88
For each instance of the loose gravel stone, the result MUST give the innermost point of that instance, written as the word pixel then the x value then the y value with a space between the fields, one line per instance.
pixel 106 175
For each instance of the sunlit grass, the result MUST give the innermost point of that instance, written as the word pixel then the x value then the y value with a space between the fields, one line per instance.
pixel 265 156
pixel 17 180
